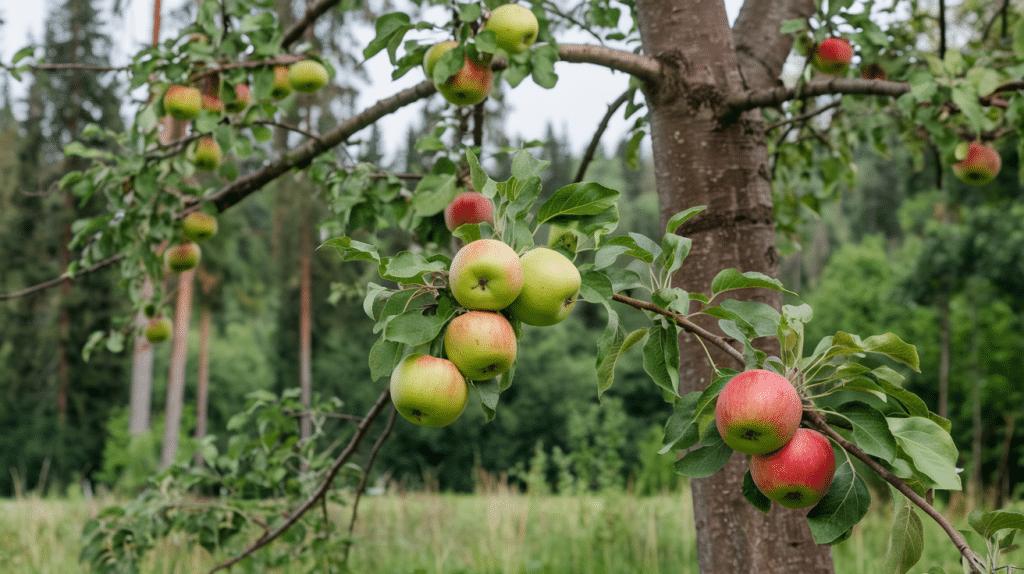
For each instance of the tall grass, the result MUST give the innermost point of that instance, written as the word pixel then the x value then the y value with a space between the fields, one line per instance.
pixel 498 532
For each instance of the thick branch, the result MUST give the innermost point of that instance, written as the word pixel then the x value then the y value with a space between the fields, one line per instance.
pixel 817 421
pixel 601 127
pixel 775 96
pixel 686 324
pixel 643 67
pixel 761 50
pixel 350 449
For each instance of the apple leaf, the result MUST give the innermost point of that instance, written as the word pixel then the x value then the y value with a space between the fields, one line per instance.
pixel 489 392
pixel 481 181
pixel 576 201
pixel 661 356
pixel 373 302
pixel 623 244
pixel 623 279
pixel 681 430
pixel 521 195
pixel 728 279
pixel 893 347
pixel 613 342
pixel 596 287
pixel 387 26
pixel 682 217
pixel 672 299
pixel 525 165
pixel 845 503
pixel 543 60
pixel 870 430
pixel 384 357
pixel 352 250
pixel 754 496
pixel 433 193
pixel 906 542
pixel 930 449
pixel 706 460
pixel 793 26
pixel 988 524
pixel 408 267
pixel 505 380
pixel 674 250
pixel 911 402
pixel 414 328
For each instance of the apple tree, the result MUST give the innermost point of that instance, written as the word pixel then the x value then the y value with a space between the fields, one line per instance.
pixel 744 150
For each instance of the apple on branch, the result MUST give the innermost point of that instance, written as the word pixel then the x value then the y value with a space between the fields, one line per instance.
pixel 182 257
pixel 832 56
pixel 482 344
pixel 282 87
pixel 241 99
pixel 198 226
pixel 515 27
pixel 468 207
pixel 798 474
pixel 486 275
pixel 207 155
pixel 158 329
pixel 307 76
pixel 182 102
pixel 428 391
pixel 980 163
pixel 758 411
pixel 551 284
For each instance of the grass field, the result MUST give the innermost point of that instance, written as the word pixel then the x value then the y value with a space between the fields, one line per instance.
pixel 499 533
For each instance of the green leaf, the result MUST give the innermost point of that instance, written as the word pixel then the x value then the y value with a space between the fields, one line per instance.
pixel 674 251
pixel 525 165
pixel 930 448
pixel 543 61
pixel 477 174
pixel 661 356
pixel 870 429
pixel 845 503
pixel 906 542
pixel 414 328
pixel 911 402
pixel 613 342
pixel 433 193
pixel 728 279
pixel 489 393
pixel 596 287
pixel 408 267
pixel 681 429
pixel 352 250
pixel 387 26
pixel 763 318
pixel 576 201
pixel 623 244
pixel 22 54
pixel 988 524
pixel 682 217
pixel 793 26
pixel 893 347
pixel 384 357
pixel 754 496
pixel 967 100
pixel 706 460
pixel 1018 39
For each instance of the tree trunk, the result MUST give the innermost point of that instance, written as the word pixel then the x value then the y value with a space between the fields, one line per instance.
pixel 176 372
pixel 699 160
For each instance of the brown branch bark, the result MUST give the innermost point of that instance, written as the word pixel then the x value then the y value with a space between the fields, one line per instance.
pixel 313 11
pixel 760 50
pixel 57 280
pixel 817 422
pixel 325 484
pixel 362 481
pixel 772 97
pixel 594 141
pixel 643 67
pixel 801 117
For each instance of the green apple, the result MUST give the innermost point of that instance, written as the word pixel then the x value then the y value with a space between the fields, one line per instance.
pixel 241 99
pixel 551 284
pixel 434 54
pixel 307 76
pixel 482 344
pixel 158 329
pixel 182 257
pixel 282 86
pixel 198 226
pixel 182 102
pixel 486 275
pixel 207 154
pixel 428 391
pixel 514 26
pixel 798 474
pixel 470 85
pixel 758 411
pixel 980 164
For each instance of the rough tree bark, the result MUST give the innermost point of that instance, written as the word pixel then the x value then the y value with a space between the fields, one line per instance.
pixel 702 160
pixel 176 371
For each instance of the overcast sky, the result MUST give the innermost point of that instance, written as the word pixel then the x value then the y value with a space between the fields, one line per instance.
pixel 574 106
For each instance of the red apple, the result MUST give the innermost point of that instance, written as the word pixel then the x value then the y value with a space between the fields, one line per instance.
pixel 798 474
pixel 207 154
pixel 470 85
pixel 212 103
pixel 832 56
pixel 980 165
pixel 482 344
pixel 241 99
pixel 282 87
pixel 468 207
pixel 758 411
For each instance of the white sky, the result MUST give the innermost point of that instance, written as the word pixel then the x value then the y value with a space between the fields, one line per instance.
pixel 574 106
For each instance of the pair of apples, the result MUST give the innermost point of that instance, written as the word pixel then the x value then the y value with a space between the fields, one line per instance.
pixel 195 227
pixel 758 413
pixel 487 277
pixel 515 29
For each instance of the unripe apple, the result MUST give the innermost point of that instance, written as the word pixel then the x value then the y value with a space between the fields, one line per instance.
pixel 551 284
pixel 182 102
pixel 470 85
pixel 212 103
pixel 980 165
pixel 832 56
pixel 307 76
pixel 486 275
pixel 758 411
pixel 198 226
pixel 158 329
pixel 207 155
pixel 182 257
pixel 434 54
pixel 428 391
pixel 282 87
pixel 241 99
pixel 798 474
pixel 514 26
pixel 468 207
pixel 482 344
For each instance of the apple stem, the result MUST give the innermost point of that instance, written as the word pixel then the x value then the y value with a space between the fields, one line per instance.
pixel 817 421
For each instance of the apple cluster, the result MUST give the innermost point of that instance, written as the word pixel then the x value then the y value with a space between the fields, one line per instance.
pixel 496 287
pixel 515 29
pixel 758 413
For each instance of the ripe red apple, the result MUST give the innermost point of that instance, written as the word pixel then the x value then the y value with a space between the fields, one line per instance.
pixel 198 226
pixel 470 85
pixel 551 284
pixel 282 87
pixel 832 56
pixel 980 165
pixel 482 344
pixel 241 99
pixel 798 474
pixel 428 391
pixel 207 154
pixel 486 275
pixel 468 207
pixel 182 257
pixel 158 329
pixel 182 102
pixel 514 26
pixel 212 103
pixel 307 76
pixel 758 411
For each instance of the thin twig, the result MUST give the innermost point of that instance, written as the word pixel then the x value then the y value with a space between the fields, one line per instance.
pixel 61 67
pixel 1002 11
pixel 325 484
pixel 362 481
pixel 817 421
pixel 65 277
pixel 804 116
pixel 601 127
pixel 289 127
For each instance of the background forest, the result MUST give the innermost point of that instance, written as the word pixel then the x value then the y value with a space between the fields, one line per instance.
pixel 904 249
